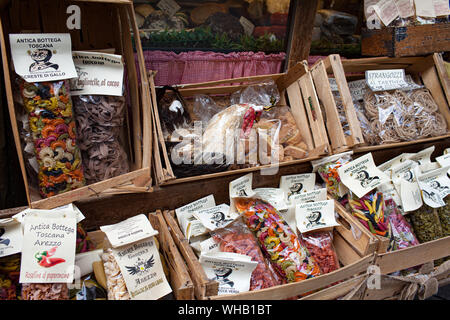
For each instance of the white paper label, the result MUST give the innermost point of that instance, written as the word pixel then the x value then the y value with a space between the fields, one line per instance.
pixel 389 192
pixel 361 175
pixel 387 166
pixel 405 8
pixel 274 196
pixel 98 74
pixel 128 231
pixel 10 237
pixel 142 270
pixel 435 186
pixel 216 217
pixel 425 8
pixel 48 252
pixel 233 274
pixel 357 89
pixel 443 160
pixel 56 212
pixel 169 7
pixel 312 216
pixel 441 7
pixel 386 10
pixel 242 187
pixel 404 178
pixel 427 167
pixel 384 80
pixel 247 25
pixel 422 157
pixel 297 184
pixel 189 224
pixel 446 151
pixel 42 57
pixel 208 246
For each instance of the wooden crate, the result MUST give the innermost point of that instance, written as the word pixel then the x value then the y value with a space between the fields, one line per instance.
pixel 296 85
pixel 106 24
pixel 179 278
pixel 353 264
pixel 413 256
pixel 406 41
pixel 424 69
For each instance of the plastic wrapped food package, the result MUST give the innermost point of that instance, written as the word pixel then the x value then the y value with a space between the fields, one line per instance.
pixel 90 290
pixel 45 291
pixel 444 217
pixel 53 131
pixel 10 287
pixel 370 211
pixel 237 238
pixel 116 287
pixel 320 246
pixel 287 255
pixel 84 243
pixel 99 122
pixel 327 169
pixel 403 115
pixel 402 232
pixel 264 93
pixel 426 224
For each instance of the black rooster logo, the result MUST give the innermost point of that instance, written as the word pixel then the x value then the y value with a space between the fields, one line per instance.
pixel 141 266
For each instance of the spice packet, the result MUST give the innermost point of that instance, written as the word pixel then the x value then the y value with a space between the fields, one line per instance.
pixel 232 270
pixel 435 186
pixel 361 175
pixel 404 178
pixel 11 237
pixel 297 183
pixel 135 251
pixel 311 216
pixel 189 224
pixel 216 217
pixel 49 243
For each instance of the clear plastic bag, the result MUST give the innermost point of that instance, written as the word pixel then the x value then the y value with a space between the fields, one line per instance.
pixel 426 224
pixel 237 238
pixel 444 217
pixel 402 232
pixel 327 169
pixel 45 291
pixel 264 93
pixel 205 108
pixel 116 287
pixel 403 115
pixel 53 131
pixel 320 246
pixel 278 242
pixel 99 121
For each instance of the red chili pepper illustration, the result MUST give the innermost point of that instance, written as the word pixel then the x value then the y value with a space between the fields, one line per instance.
pixel 44 258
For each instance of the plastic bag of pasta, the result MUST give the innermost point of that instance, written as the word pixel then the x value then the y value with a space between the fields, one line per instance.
pixel 278 241
pixel 44 89
pixel 237 238
pixel 320 246
pixel 402 232
pixel 100 115
pixel 45 291
pixel 10 287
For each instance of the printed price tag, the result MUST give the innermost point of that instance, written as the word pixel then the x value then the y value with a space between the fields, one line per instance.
pixel 297 184
pixel 170 7
pixel 42 57
pixel 384 80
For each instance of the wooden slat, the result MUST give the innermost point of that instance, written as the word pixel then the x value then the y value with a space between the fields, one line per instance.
pixel 413 256
pixel 180 281
pixel 234 81
pixel 443 75
pixel 298 112
pixel 203 286
pixel 345 252
pixel 333 124
pixel 431 80
pixel 293 289
pixel 336 291
pixel 347 101
pixel 399 144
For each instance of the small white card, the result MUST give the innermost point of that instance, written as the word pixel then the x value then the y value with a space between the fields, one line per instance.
pixel 274 196
pixel 297 184
pixel 11 237
pixel 216 217
pixel 312 216
pixel 384 80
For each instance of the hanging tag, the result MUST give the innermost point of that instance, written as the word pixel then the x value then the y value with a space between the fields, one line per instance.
pixel 42 57
pixel 404 178
pixel 10 237
pixel 435 186
pixel 425 8
pixel 422 157
pixel 386 10
pixel 444 160
pixel 387 166
pixel 208 246
pixel 48 250
pixel 405 8
pixel 297 184
pixel 98 74
pixel 312 216
pixel 233 272
pixel 361 175
pixel 216 217
pixel 128 231
pixel 190 225
pixel 274 196
pixel 242 187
